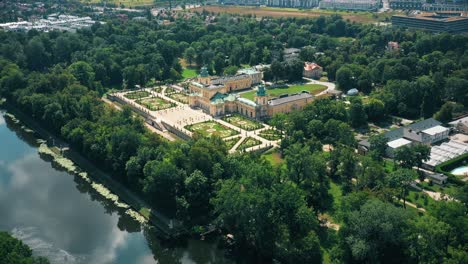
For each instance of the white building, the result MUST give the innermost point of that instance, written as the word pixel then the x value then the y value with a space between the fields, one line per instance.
pixel 366 5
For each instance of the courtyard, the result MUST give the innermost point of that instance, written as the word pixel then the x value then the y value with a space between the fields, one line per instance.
pixel 242 122
pixel 211 128
pixel 155 103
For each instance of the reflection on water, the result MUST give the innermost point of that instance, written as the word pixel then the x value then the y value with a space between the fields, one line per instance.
pixel 61 217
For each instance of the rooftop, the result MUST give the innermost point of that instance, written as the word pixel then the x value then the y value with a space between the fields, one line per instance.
pixel 435 130
pixel 290 98
pixel 398 143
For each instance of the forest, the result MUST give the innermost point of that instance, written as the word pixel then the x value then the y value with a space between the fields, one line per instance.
pixel 272 210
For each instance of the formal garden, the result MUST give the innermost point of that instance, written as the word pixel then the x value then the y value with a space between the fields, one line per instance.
pixel 211 128
pixel 158 89
pixel 179 97
pixel 137 95
pixel 155 103
pixel 242 122
pixel 231 142
pixel 270 134
pixel 247 143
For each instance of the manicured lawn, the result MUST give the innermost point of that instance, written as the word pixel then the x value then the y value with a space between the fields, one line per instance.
pixel 231 142
pixel 155 104
pixel 270 134
pixel 311 88
pixel 211 128
pixel 247 143
pixel 189 73
pixel 243 122
pixel 179 97
pixel 137 95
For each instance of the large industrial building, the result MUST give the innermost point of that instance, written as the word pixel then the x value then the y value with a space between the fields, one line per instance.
pixel 437 22
pixel 218 96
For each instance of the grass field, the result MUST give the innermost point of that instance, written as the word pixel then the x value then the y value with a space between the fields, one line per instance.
pixel 189 73
pixel 248 142
pixel 270 134
pixel 155 104
pixel 311 88
pixel 211 128
pixel 361 17
pixel 243 122
pixel 137 95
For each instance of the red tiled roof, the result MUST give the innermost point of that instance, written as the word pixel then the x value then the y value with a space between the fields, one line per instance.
pixel 310 66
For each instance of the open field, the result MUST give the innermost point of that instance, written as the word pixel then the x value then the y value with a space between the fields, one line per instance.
pixel 155 104
pixel 211 128
pixel 311 88
pixel 361 17
pixel 248 142
pixel 243 122
pixel 137 95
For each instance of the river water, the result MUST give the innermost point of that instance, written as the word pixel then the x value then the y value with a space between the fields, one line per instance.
pixel 62 218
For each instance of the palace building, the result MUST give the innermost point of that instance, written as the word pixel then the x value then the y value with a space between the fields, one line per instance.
pixel 218 96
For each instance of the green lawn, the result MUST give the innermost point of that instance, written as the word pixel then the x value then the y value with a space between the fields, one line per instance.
pixel 155 104
pixel 137 95
pixel 247 143
pixel 211 128
pixel 311 88
pixel 243 122
pixel 145 212
pixel 189 73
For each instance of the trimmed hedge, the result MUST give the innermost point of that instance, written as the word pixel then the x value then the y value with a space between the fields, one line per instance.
pixel 449 165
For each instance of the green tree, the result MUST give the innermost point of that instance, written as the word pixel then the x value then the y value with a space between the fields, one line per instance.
pixel 231 70
pixel 428 239
pixel 378 146
pixel 401 180
pixel 83 72
pixel 13 251
pixel 357 115
pixel 444 115
pixel 375 233
pixel 189 55
pixel 344 78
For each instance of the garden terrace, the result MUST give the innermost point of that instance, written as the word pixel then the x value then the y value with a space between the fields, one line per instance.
pixel 179 97
pixel 231 142
pixel 137 95
pixel 242 122
pixel 155 103
pixel 211 128
pixel 270 134
pixel 248 143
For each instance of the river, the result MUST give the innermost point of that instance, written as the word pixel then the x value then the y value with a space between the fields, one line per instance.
pixel 62 218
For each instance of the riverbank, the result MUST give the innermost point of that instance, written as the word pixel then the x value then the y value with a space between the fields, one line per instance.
pixel 99 180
